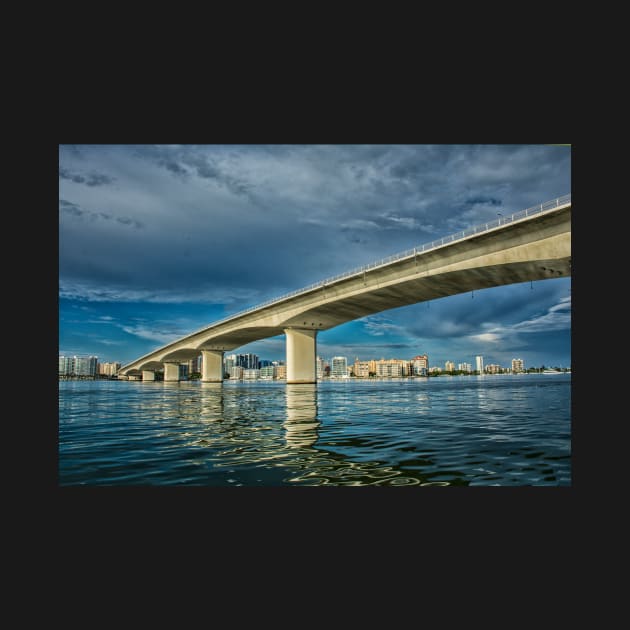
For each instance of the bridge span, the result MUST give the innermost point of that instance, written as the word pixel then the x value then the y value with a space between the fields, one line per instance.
pixel 534 244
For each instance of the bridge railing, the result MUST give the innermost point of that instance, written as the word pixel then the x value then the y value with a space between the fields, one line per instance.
pixel 547 206
pixel 446 240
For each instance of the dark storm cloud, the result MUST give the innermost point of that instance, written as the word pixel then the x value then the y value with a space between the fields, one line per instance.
pixel 75 210
pixel 70 208
pixel 173 167
pixel 483 200
pixel 91 179
pixel 253 222
pixel 185 161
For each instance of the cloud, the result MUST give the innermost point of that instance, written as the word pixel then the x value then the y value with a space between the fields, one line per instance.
pixel 378 326
pixel 154 334
pixel 84 291
pixel 91 179
pixel 75 210
pixel 475 201
pixel 556 318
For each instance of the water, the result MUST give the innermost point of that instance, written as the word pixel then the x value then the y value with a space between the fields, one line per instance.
pixel 477 431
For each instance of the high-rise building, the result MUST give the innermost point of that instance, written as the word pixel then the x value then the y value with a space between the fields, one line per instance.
pixel 319 367
pixel 339 367
pixel 194 365
pixel 66 365
pixel 464 367
pixel 183 371
pixel 281 371
pixel 449 366
pixel 85 366
pixel 479 364
pixel 493 368
pixel 517 365
pixel 419 365
pixel 251 374
pixel 235 372
pixel 247 361
pixel 229 361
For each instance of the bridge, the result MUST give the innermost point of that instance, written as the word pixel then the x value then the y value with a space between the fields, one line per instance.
pixel 534 244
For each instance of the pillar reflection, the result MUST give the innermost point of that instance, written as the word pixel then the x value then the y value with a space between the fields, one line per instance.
pixel 301 423
pixel 211 399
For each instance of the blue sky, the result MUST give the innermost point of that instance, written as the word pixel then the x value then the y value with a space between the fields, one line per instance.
pixel 156 241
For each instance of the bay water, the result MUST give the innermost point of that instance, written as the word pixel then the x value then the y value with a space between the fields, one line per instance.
pixel 492 430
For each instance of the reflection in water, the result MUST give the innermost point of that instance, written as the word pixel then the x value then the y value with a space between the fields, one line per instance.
pixel 301 423
pixel 444 432
pixel 211 402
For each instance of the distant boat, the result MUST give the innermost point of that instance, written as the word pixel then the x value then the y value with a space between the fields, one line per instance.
pixel 551 372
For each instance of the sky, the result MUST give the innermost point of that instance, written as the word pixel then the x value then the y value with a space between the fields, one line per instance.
pixel 157 241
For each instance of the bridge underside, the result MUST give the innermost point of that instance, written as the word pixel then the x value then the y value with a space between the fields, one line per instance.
pixel 429 288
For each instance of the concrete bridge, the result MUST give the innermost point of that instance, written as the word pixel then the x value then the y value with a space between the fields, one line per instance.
pixel 533 244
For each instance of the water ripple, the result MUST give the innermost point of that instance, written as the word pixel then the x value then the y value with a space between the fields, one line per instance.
pixel 423 432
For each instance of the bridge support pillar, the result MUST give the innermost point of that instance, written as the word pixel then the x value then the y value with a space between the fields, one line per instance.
pixel 148 375
pixel 212 366
pixel 171 372
pixel 301 349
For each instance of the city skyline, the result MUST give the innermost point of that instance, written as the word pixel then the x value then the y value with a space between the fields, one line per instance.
pixel 236 366
pixel 158 241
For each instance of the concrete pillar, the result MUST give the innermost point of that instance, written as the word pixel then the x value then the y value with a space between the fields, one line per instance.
pixel 301 349
pixel 212 366
pixel 148 375
pixel 171 372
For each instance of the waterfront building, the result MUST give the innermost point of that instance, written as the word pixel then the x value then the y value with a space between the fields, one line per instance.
pixel 108 369
pixel 449 366
pixel 339 367
pixel 419 365
pixel 235 372
pixel 229 361
pixel 391 368
pixel 281 371
pixel 250 374
pixel 319 367
pixel 518 365
pixel 248 361
pixel 479 364
pixel 66 365
pixel 194 365
pixel 85 366
pixel 493 368
pixel 464 367
pixel 361 368
pixel 268 372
